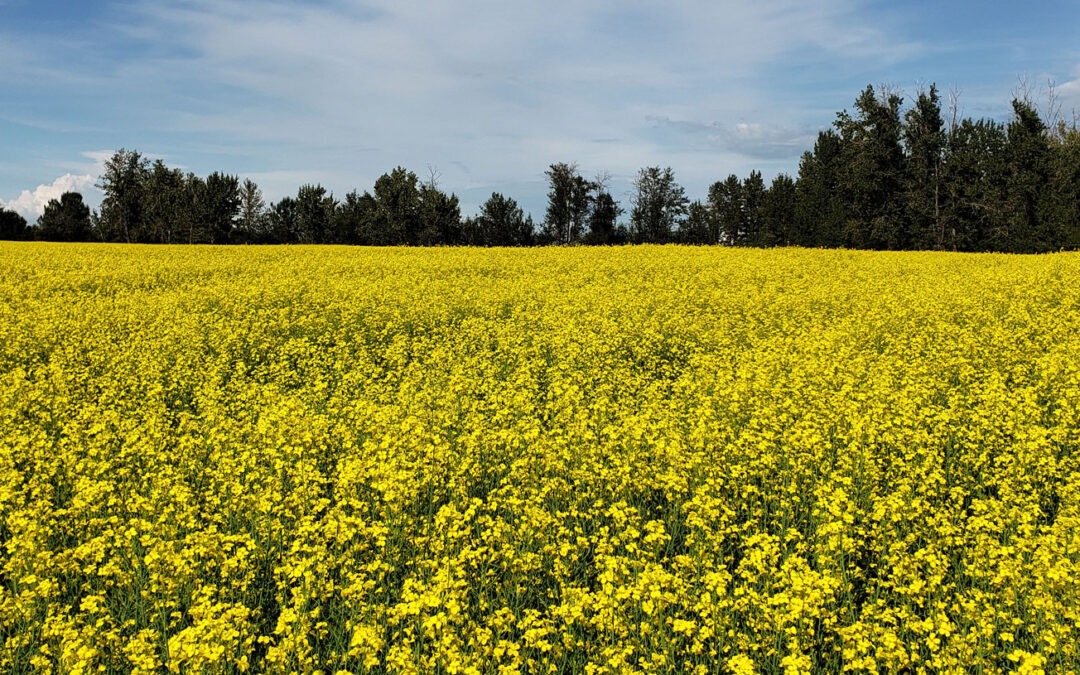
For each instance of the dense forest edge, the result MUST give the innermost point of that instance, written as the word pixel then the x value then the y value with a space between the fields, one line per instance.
pixel 884 176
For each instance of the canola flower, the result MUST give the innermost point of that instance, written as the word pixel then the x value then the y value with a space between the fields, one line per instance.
pixel 637 460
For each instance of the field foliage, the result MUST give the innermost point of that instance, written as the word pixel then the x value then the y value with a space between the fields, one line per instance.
pixel 648 459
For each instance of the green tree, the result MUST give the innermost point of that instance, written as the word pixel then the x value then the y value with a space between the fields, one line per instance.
pixel 124 182
pixel 778 212
pixel 873 172
pixel 395 220
pixel 501 222
pixel 13 226
pixel 699 227
pixel 820 210
pixel 438 215
pixel 355 218
pixel 252 226
pixel 192 218
pixel 726 206
pixel 974 187
pixel 924 136
pixel 659 206
pixel 603 218
pixel 166 204
pixel 753 210
pixel 569 202
pixel 283 221
pixel 315 210
pixel 1027 154
pixel 220 206
pixel 1062 204
pixel 65 219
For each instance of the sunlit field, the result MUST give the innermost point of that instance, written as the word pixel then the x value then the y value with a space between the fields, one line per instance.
pixel 642 459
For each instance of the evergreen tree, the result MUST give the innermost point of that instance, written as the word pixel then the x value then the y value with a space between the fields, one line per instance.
pixel 1027 154
pixel 778 212
pixel 439 217
pixel 753 210
pixel 501 222
pixel 924 135
pixel 873 173
pixel 820 211
pixel 65 219
pixel 13 226
pixel 314 214
pixel 974 187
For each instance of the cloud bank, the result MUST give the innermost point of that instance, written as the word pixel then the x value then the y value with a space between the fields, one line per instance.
pixel 31 204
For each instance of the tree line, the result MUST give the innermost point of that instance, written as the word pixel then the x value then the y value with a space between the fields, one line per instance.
pixel 882 177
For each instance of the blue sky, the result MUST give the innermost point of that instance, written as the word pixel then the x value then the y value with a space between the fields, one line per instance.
pixel 485 93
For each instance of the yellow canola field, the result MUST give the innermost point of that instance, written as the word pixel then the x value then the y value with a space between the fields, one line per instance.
pixel 642 459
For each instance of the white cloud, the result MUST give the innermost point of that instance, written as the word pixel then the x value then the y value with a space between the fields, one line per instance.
pixel 30 205
pixel 488 92
pixel 505 88
pixel 1070 96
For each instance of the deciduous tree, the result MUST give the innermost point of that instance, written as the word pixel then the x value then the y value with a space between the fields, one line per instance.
pixel 699 227
pixel 167 207
pixel 659 206
pixel 726 206
pixel 569 201
pixel 220 207
pixel 252 224
pixel 753 206
pixel 123 181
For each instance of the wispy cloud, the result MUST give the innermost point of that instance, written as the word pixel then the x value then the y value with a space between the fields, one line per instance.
pixel 504 89
pixel 753 140
pixel 490 93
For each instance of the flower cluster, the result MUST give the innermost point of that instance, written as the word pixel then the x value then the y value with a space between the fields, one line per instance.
pixel 640 460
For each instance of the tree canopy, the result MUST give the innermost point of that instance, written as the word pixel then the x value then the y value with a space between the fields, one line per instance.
pixel 883 176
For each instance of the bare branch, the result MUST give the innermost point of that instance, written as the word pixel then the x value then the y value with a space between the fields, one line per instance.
pixel 433 177
pixel 1024 89
pixel 602 180
pixel 1052 114
pixel 886 90
pixel 954 106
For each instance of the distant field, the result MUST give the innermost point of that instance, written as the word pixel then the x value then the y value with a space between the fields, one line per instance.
pixel 641 459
